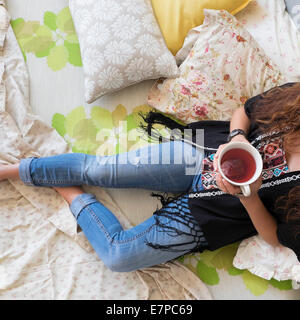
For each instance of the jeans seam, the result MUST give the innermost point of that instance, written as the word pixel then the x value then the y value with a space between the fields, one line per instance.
pixel 56 181
pixel 76 212
pixel 100 224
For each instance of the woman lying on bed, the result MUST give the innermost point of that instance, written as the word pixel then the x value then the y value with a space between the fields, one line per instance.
pixel 208 214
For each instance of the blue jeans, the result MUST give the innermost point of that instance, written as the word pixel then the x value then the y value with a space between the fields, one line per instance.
pixel 169 167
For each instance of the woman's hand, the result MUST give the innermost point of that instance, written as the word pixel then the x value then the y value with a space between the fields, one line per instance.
pixel 227 187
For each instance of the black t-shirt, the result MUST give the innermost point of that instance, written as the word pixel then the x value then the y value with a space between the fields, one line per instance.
pixel 222 217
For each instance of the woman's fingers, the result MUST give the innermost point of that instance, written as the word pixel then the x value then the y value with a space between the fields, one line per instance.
pixel 215 162
pixel 231 188
pixel 220 183
pixel 225 186
pixel 216 156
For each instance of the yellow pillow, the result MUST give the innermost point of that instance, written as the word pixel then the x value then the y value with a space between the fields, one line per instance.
pixel 177 17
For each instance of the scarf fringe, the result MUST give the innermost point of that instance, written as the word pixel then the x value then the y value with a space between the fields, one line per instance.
pixel 165 198
pixel 174 207
pixel 177 210
pixel 153 117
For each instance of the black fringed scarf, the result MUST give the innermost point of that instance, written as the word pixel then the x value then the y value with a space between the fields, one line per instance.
pixel 175 207
pixel 151 118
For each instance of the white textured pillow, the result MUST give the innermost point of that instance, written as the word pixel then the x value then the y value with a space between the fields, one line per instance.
pixel 121 44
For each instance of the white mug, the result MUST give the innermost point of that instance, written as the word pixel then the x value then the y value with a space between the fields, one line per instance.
pixel 245 186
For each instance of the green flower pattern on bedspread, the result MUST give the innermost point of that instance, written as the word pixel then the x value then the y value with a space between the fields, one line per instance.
pixel 55 39
pixel 106 132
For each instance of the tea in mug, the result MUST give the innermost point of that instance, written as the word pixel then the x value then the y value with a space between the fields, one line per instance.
pixel 238 165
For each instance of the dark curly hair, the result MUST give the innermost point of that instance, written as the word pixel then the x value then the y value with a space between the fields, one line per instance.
pixel 279 111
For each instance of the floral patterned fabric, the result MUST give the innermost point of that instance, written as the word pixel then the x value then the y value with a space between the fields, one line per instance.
pixel 268 262
pixel 274 159
pixel 224 68
pixel 272 27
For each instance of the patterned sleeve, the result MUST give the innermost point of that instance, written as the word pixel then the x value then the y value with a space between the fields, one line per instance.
pixel 289 236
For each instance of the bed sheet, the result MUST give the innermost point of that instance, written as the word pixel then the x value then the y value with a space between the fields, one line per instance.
pixel 274 30
pixel 56 94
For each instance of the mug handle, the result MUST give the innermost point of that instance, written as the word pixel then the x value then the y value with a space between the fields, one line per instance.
pixel 246 190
